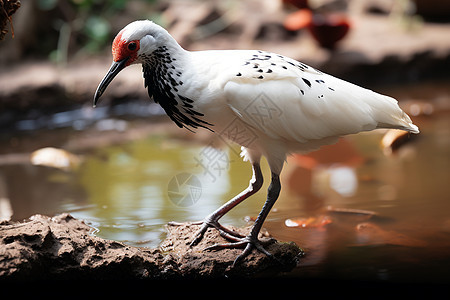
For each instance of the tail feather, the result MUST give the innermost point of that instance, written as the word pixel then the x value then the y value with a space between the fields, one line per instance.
pixel 382 111
pixel 403 123
pixel 392 116
pixel 410 128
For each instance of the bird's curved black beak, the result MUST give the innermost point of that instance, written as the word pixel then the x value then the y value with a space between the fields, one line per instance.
pixel 115 68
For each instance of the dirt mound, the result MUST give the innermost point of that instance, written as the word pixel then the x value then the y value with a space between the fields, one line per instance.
pixel 63 247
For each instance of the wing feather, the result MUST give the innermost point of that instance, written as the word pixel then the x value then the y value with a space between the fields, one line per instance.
pixel 311 106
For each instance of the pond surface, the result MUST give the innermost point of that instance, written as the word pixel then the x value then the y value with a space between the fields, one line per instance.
pixel 358 212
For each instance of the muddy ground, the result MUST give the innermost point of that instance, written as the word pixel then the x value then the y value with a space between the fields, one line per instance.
pixel 63 247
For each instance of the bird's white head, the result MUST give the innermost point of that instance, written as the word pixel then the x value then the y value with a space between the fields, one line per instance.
pixel 138 40
pixel 132 45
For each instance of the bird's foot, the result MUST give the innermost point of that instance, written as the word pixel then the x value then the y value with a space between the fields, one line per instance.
pixel 223 231
pixel 226 233
pixel 248 243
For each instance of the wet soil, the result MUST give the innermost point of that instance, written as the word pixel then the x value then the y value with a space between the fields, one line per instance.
pixel 63 247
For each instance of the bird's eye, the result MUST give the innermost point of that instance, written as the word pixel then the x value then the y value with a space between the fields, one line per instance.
pixel 132 46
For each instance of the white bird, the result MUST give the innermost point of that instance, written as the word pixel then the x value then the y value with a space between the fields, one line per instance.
pixel 270 104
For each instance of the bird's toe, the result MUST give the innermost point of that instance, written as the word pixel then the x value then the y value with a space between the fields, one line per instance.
pixel 226 233
pixel 248 243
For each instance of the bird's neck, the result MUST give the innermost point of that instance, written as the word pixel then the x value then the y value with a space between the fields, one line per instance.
pixel 163 73
pixel 163 69
pixel 163 58
pixel 171 54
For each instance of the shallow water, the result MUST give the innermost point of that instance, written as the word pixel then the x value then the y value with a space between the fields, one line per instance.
pixel 367 215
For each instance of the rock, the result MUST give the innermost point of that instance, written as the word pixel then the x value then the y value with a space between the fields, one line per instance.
pixel 63 247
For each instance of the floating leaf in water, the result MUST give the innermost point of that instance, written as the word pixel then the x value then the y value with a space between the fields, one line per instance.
pixel 393 140
pixel 369 234
pixel 350 214
pixel 55 158
pixel 351 211
pixel 311 222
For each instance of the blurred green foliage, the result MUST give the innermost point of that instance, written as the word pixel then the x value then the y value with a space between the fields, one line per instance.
pixel 85 25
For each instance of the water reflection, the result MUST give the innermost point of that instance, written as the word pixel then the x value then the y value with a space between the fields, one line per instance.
pixel 130 187
pixel 343 180
pixel 407 193
pixel 34 189
pixel 311 178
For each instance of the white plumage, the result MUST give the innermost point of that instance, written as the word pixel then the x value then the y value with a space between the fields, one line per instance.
pixel 310 108
pixel 269 104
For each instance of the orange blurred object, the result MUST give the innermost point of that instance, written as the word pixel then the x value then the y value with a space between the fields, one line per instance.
pixel 343 152
pixel 298 20
pixel 326 29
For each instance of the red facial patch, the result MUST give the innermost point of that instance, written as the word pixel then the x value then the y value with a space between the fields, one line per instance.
pixel 122 49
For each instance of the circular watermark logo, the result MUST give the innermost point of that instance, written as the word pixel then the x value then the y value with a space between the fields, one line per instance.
pixel 184 189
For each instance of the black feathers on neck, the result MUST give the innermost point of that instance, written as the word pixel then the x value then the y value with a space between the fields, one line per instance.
pixel 161 81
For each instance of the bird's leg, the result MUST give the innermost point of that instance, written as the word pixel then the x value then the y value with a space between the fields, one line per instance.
pixel 251 241
pixel 212 220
